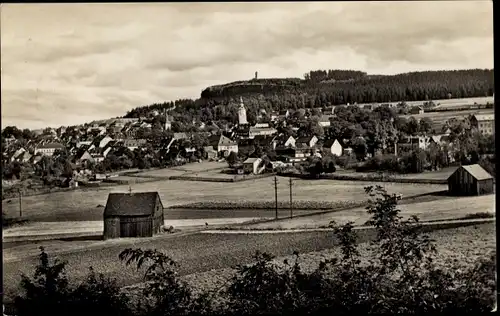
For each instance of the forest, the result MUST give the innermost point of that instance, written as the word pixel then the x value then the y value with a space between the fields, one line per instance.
pixel 321 89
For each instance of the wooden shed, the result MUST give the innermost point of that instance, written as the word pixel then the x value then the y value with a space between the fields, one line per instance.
pixel 470 180
pixel 133 215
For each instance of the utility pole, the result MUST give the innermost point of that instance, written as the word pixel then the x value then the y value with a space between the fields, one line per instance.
pixel 20 204
pixel 276 194
pixel 291 203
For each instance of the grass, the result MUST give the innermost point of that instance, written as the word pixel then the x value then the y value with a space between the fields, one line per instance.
pixel 82 204
pixel 444 208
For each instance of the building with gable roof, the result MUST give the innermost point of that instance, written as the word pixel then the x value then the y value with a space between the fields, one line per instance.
pixel 470 180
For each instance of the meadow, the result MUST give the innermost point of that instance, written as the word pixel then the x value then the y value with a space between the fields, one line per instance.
pixel 444 208
pixel 440 118
pixel 87 204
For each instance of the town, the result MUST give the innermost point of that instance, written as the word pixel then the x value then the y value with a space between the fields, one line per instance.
pixel 284 141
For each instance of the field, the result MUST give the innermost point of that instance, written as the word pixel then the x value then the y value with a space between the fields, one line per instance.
pixel 446 208
pixel 442 174
pixel 205 252
pixel 84 204
pixel 448 103
pixel 191 168
pixel 439 118
pixel 459 247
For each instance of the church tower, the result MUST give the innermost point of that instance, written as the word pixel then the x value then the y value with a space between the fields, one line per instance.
pixel 168 123
pixel 242 113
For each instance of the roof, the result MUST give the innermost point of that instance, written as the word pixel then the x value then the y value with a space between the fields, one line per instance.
pixel 485 117
pixel 329 143
pixel 131 204
pixel 224 141
pixel 51 145
pixel 251 160
pixel 476 171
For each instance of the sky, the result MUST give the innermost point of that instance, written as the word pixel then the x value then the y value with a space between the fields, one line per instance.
pixel 67 64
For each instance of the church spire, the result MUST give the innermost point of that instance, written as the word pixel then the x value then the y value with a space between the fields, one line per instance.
pixel 242 113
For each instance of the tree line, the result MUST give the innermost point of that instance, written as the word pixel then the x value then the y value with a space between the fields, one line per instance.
pixel 220 103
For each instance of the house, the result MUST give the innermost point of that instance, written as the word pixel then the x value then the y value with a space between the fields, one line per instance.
pixel 82 156
pixel 284 141
pixel 417 110
pixel 251 165
pixel 261 131
pixel 226 145
pixel 324 121
pixel 293 155
pixel 133 215
pixel 48 149
pixel 414 142
pixel 133 143
pixel 179 136
pixel 484 123
pixel 17 154
pixel 334 147
pixel 274 116
pixel 470 180
pixel 104 141
pixel 210 153
pixel 306 141
pixel 284 113
pixel 264 141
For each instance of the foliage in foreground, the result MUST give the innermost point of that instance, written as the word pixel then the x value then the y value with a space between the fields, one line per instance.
pixel 401 277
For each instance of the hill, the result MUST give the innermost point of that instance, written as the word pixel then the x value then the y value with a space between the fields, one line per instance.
pixel 323 88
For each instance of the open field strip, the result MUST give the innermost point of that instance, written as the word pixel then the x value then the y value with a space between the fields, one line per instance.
pixel 432 210
pixel 55 228
pixel 82 205
pixel 442 174
pixel 194 252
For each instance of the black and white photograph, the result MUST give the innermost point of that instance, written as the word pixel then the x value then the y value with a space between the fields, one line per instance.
pixel 248 158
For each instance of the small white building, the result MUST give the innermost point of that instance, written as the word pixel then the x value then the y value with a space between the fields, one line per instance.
pixel 334 147
pixel 251 165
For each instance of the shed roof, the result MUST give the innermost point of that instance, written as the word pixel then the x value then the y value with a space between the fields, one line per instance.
pixel 131 204
pixel 476 171
pixel 251 160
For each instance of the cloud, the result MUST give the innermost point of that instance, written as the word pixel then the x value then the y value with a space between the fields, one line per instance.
pixel 86 61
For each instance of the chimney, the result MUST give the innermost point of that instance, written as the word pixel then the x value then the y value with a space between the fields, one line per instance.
pixel 256 73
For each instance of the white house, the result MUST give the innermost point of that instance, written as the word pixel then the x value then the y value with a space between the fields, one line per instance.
pixel 334 147
pixel 48 149
pixel 17 154
pixel 105 141
pixel 324 121
pixel 307 141
pixel 261 131
pixel 251 165
pixel 284 141
pixel 226 145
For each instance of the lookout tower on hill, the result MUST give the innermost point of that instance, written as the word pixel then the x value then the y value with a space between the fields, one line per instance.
pixel 256 73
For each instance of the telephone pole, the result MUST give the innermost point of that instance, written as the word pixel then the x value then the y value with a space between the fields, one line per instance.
pixel 291 203
pixel 20 204
pixel 276 194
